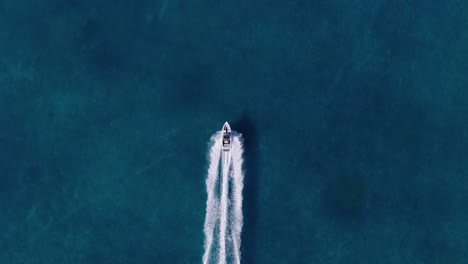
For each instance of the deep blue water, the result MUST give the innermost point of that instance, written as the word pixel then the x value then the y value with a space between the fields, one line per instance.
pixel 354 115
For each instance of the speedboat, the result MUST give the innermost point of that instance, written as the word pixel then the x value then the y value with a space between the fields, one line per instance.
pixel 226 137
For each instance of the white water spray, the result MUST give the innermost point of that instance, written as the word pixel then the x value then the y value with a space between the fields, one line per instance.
pixel 224 184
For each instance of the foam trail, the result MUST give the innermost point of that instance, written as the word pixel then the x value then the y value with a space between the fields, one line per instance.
pixel 224 206
pixel 212 201
pixel 237 178
pixel 223 221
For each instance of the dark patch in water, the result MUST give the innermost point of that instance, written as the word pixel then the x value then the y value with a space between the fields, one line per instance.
pixel 345 196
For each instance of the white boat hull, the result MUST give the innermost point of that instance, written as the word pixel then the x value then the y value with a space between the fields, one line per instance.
pixel 227 137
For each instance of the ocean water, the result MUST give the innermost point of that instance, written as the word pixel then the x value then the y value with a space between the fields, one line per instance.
pixel 354 116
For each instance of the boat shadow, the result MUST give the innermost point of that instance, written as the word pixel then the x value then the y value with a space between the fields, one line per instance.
pixel 246 126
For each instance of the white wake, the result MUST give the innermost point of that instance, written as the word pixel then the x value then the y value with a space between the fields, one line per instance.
pixel 224 184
